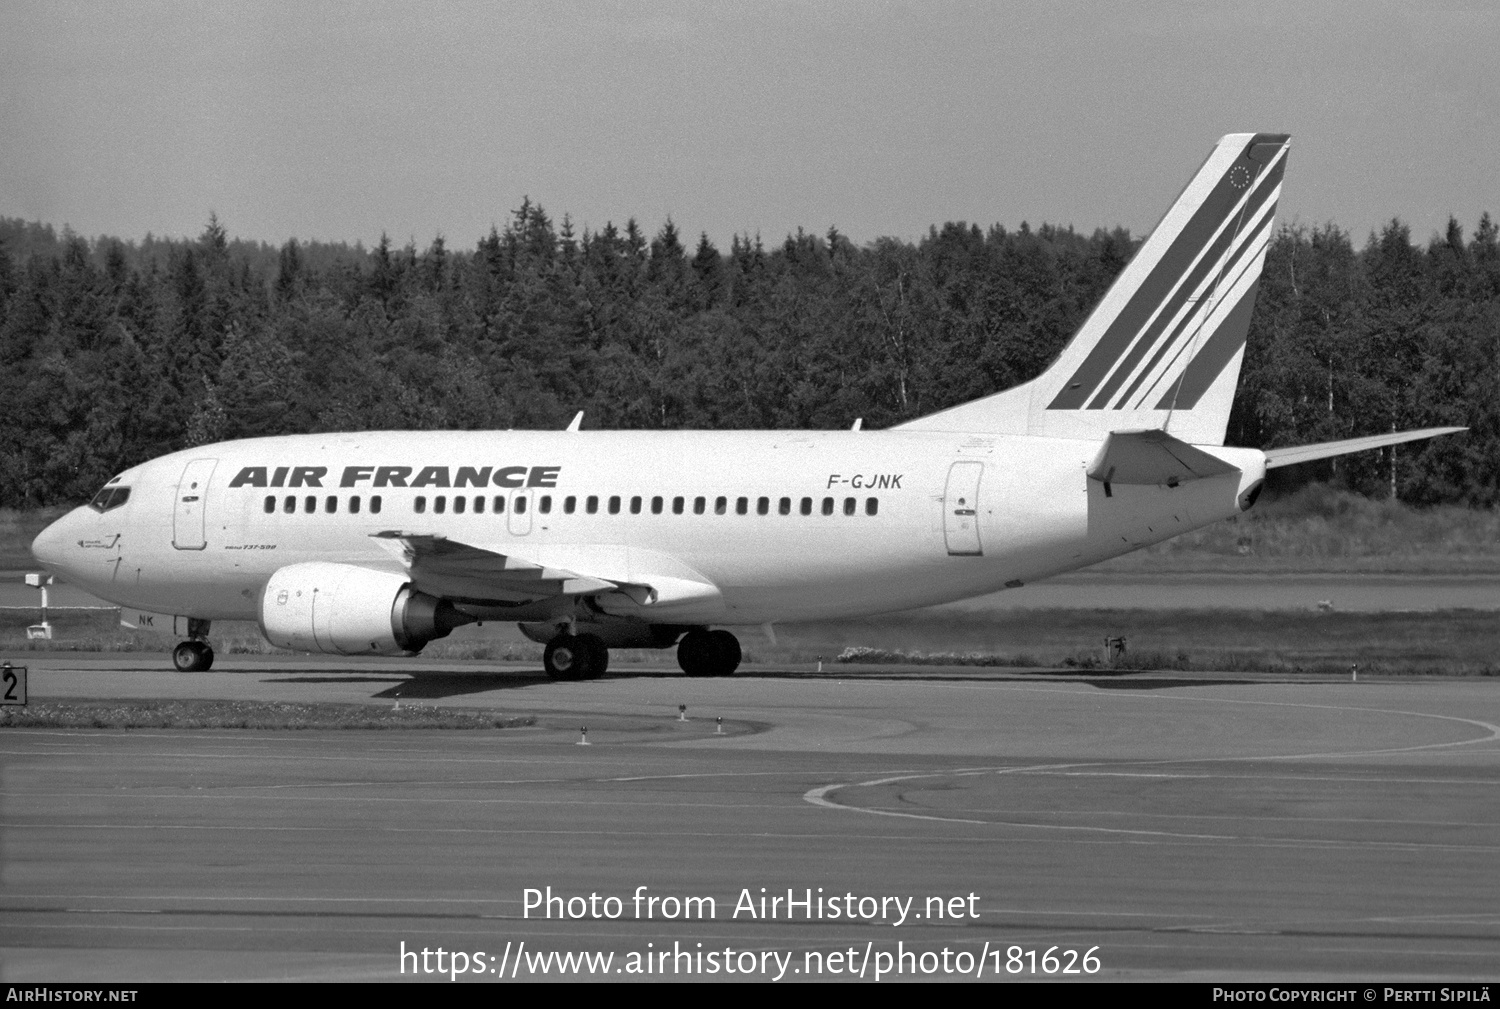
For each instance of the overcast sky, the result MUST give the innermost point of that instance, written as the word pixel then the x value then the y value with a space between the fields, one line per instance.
pixel 340 121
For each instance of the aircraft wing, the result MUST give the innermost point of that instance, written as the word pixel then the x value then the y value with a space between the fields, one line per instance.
pixel 1153 457
pixel 1325 450
pixel 452 569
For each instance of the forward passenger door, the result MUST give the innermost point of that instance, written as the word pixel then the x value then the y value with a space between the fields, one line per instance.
pixel 192 498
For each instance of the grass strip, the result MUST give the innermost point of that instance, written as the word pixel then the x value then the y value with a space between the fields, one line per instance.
pixel 205 714
pixel 1442 643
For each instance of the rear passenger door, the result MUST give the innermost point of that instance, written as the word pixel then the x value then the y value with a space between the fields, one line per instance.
pixel 961 509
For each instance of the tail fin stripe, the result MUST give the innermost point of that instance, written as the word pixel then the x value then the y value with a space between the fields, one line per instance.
pixel 1227 340
pixel 1169 310
pixel 1219 339
pixel 1234 265
pixel 1210 262
pixel 1164 275
pixel 1215 356
pixel 1247 265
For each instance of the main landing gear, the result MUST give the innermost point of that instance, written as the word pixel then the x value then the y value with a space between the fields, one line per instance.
pixel 585 656
pixel 708 653
pixel 576 657
pixel 193 657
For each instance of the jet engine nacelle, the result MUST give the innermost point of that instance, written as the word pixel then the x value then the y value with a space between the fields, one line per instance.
pixel 350 610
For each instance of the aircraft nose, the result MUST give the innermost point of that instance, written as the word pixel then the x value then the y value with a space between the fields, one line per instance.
pixel 50 548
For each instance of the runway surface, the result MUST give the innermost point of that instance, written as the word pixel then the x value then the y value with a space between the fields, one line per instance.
pixel 1175 826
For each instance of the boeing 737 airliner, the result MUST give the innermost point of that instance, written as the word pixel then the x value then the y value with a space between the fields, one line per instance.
pixel 377 543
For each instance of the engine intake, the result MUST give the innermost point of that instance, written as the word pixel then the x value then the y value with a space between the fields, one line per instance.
pixel 343 609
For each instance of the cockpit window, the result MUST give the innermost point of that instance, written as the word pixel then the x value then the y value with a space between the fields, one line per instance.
pixel 110 497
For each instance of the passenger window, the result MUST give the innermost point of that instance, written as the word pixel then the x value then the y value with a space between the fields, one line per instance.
pixel 785 506
pixel 440 504
pixel 656 504
pixel 375 505
pixel 872 505
pixel 354 505
pixel 270 504
pixel 635 505
pixel 310 505
pixel 828 506
pixel 330 504
pixel 677 504
pixel 289 505
pixel 478 504
pixel 520 505
pixel 570 504
pixel 614 504
pixel 848 506
pixel 591 504
pixel 499 508
pixel 459 504
pixel 721 505
pixel 807 506
pixel 742 506
pixel 698 504
pixel 420 505
pixel 763 506
pixel 545 504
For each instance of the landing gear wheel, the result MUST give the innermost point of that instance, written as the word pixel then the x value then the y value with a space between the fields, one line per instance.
pixel 708 653
pixel 564 658
pixel 695 653
pixel 193 657
pixel 728 656
pixel 575 657
pixel 597 654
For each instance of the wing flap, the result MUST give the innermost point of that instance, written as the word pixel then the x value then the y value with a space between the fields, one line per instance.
pixel 452 569
pixel 622 581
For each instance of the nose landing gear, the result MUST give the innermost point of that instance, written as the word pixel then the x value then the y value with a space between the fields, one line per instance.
pixel 193 657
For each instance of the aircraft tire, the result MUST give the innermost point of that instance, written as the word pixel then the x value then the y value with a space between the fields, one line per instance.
pixel 727 652
pixel 567 657
pixel 193 657
pixel 696 653
pixel 596 655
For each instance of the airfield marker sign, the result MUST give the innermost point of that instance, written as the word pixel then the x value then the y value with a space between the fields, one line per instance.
pixel 12 684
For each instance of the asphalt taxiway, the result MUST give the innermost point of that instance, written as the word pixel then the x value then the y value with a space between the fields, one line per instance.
pixel 1175 826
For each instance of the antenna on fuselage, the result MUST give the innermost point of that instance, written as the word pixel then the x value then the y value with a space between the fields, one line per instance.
pixel 577 421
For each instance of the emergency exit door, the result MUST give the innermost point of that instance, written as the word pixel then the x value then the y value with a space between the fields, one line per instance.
pixel 961 509
pixel 192 497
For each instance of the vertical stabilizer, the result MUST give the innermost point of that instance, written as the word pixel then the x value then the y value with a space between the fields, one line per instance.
pixel 1162 349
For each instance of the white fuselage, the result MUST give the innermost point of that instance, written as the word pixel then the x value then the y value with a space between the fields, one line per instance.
pixel 935 516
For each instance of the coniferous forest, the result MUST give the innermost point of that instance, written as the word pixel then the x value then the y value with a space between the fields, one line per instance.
pixel 116 352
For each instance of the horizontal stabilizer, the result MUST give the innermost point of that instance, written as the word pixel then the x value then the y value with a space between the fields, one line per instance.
pixel 1153 457
pixel 1326 450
